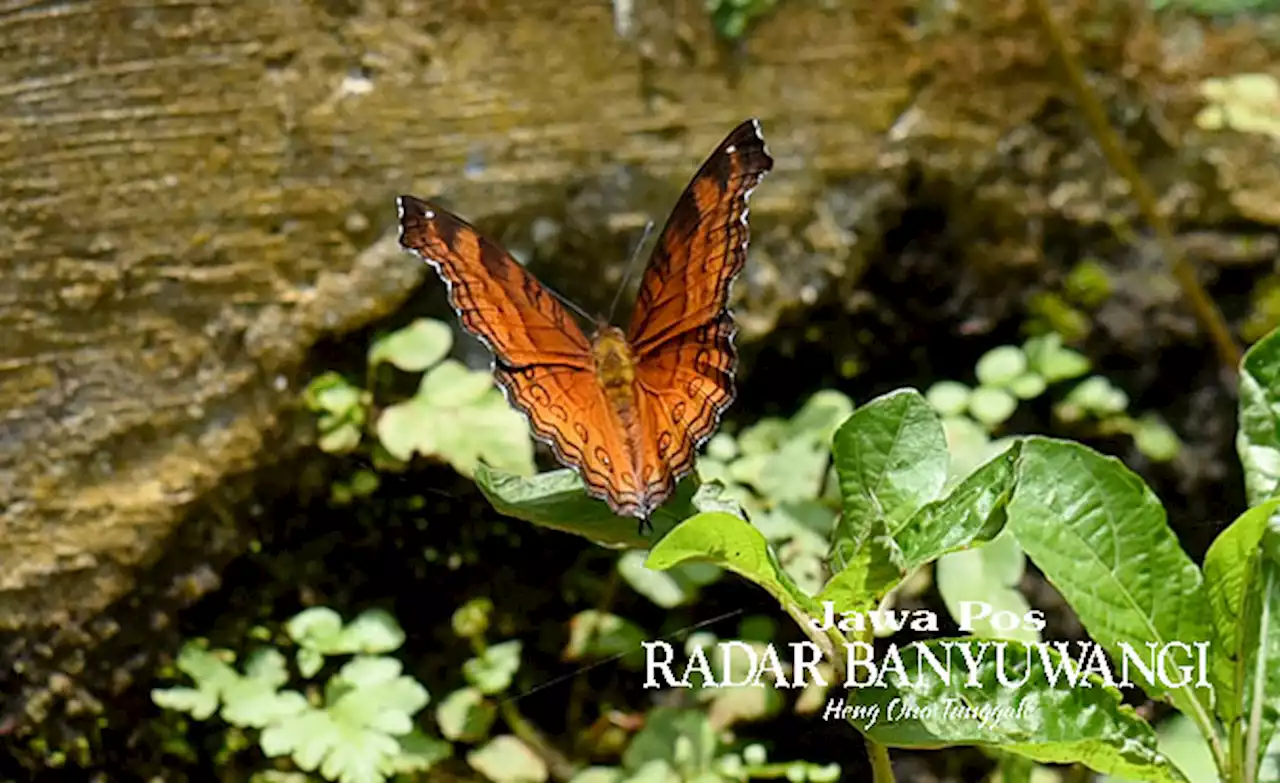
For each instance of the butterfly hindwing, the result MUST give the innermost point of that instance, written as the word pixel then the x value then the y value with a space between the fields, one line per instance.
pixel 568 410
pixel 683 386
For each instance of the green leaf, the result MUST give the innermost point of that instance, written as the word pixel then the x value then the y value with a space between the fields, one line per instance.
pixel 320 630
pixel 600 636
pixel 199 703
pixel 332 394
pixel 1242 579
pixel 465 715
pixel 992 406
pixel 341 439
pixel 1000 366
pixel 987 575
pixel 458 416
pixel 599 775
pixel 354 738
pixel 1155 439
pixel 731 543
pixel 974 511
pixel 682 739
pixel 659 587
pixel 493 670
pixel 212 676
pixel 969 444
pixel 505 759
pixel 1028 386
pixel 1099 535
pixel 1098 396
pixel 254 700
pixel 1008 704
pixel 1047 356
pixel 874 568
pixel 1258 438
pixel 419 753
pixel 949 398
pixel 415 347
pixel 891 459
pixel 820 416
pixel 1183 744
pixel 556 499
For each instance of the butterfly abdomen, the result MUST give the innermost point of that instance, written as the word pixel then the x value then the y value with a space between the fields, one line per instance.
pixel 616 371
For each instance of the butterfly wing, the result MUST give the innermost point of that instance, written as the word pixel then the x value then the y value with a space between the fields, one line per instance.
pixel 495 298
pixel 684 386
pixel 703 246
pixel 681 331
pixel 542 360
pixel 575 418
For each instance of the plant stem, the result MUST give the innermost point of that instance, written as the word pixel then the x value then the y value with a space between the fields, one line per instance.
pixel 1206 311
pixel 578 691
pixel 832 643
pixel 881 766
pixel 559 765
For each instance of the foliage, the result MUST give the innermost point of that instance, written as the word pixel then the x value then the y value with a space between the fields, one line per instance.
pixel 361 730
pixel 1009 374
pixel 456 415
pixel 1097 533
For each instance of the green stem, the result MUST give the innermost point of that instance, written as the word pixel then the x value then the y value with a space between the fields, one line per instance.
pixel 580 688
pixel 559 765
pixel 1206 311
pixel 881 766
pixel 832 643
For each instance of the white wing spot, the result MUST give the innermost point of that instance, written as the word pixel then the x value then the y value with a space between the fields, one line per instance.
pixel 732 148
pixel 428 214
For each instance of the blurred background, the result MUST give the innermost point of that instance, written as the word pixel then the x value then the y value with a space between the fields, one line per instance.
pixel 206 314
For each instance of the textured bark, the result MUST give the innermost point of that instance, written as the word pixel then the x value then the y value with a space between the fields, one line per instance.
pixel 192 194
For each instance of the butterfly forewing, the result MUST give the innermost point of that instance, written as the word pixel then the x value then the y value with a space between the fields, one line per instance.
pixel 703 246
pixel 496 300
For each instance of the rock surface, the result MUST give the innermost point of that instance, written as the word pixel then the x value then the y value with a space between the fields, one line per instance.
pixel 194 194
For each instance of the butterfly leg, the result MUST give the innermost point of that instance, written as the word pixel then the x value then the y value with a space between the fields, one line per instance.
pixel 645 524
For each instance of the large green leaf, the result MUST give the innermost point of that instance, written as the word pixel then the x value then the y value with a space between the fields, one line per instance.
pixel 1258 438
pixel 733 544
pixel 985 581
pixel 558 500
pixel 1008 702
pixel 1232 568
pixel 891 459
pixel 1099 535
pixel 973 511
pixel 1242 582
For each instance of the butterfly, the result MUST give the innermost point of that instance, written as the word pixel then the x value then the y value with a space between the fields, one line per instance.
pixel 627 410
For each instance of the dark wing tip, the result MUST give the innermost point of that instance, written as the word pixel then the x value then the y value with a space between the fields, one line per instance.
pixel 747 140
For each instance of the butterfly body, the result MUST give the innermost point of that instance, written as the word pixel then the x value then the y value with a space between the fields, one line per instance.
pixel 627 409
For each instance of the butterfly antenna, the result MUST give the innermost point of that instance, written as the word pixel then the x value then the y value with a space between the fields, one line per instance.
pixel 567 302
pixel 631 267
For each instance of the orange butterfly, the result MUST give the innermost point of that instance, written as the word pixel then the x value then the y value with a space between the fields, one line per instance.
pixel 627 410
